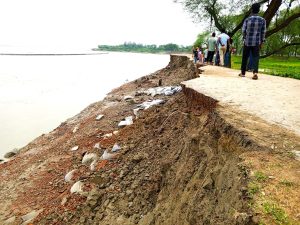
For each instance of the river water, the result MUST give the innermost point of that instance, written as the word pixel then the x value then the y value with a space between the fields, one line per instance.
pixel 38 92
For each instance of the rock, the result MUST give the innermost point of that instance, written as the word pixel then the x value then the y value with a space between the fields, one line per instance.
pixel 75 148
pixel 127 97
pixel 64 200
pixel 97 146
pixel 99 117
pixel 126 122
pixel 30 216
pixel 89 158
pixel 10 220
pixel 116 148
pixel 77 187
pixel 75 129
pixel 69 175
pixel 108 156
pixel 9 154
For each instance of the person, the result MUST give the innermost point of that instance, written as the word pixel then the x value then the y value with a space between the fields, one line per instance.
pixel 195 54
pixel 211 45
pixel 223 42
pixel 250 63
pixel 205 55
pixel 200 56
pixel 227 57
pixel 254 32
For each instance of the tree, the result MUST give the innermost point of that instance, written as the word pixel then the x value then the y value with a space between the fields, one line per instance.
pixel 230 15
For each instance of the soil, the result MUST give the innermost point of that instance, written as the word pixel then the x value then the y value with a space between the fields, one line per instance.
pixel 188 161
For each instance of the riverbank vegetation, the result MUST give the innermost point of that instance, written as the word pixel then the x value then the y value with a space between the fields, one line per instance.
pixel 134 47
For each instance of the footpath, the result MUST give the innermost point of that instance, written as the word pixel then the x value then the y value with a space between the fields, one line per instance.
pixel 274 99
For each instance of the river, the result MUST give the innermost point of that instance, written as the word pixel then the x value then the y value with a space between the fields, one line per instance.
pixel 38 92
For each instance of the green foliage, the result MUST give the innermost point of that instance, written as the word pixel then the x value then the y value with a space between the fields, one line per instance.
pixel 260 176
pixel 275 65
pixel 202 39
pixel 276 212
pixel 253 188
pixel 286 183
pixel 133 47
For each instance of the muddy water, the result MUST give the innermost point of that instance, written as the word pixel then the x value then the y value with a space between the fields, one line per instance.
pixel 37 93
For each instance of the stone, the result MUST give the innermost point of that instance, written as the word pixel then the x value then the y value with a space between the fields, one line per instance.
pixel 9 154
pixel 99 117
pixel 30 216
pixel 75 148
pixel 69 175
pixel 77 187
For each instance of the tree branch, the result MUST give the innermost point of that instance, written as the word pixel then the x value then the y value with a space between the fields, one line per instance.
pixel 271 11
pixel 279 49
pixel 283 24
pixel 239 26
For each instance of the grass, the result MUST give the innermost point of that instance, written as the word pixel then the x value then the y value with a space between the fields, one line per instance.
pixel 260 176
pixel 278 66
pixel 276 212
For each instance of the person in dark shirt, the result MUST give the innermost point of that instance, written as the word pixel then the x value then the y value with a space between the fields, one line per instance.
pixel 254 31
pixel 195 54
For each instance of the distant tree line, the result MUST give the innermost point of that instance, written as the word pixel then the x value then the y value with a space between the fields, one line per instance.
pixel 134 47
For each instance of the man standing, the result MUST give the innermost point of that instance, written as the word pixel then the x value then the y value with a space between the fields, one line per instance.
pixel 254 31
pixel 223 42
pixel 211 44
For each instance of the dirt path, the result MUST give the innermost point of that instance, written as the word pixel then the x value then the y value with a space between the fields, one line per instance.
pixel 275 99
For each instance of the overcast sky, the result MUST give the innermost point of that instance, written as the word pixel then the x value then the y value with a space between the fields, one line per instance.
pixel 92 22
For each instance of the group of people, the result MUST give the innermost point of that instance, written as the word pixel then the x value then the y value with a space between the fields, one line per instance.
pixel 217 51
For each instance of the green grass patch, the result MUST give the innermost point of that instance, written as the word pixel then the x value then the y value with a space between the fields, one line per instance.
pixel 276 212
pixel 286 183
pixel 278 66
pixel 260 176
pixel 253 188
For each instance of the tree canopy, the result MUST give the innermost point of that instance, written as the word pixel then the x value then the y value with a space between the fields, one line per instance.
pixel 282 19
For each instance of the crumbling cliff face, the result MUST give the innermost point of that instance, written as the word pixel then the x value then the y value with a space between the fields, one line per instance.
pixel 181 162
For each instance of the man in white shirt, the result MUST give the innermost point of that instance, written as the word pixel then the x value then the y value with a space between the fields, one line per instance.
pixel 223 41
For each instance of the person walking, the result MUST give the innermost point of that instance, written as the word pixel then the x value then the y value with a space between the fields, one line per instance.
pixel 223 42
pixel 254 32
pixel 195 54
pixel 211 46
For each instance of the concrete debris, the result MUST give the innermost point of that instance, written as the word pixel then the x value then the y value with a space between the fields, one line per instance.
pixel 77 187
pixel 128 97
pixel 297 154
pixel 127 121
pixel 97 146
pixel 69 175
pixel 99 117
pixel 30 216
pixel 108 156
pixel 148 104
pixel 168 90
pixel 75 148
pixel 88 158
pixel 116 148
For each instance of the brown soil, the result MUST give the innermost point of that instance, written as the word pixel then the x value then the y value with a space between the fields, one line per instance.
pixel 188 161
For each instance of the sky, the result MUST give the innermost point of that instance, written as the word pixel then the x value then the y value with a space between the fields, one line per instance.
pixel 88 23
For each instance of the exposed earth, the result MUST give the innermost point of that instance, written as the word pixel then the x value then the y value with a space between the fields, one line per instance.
pixel 189 161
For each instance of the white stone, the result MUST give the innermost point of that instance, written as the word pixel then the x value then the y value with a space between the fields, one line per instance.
pixel 99 117
pixel 128 121
pixel 88 158
pixel 77 187
pixel 97 146
pixel 75 148
pixel 69 175
pixel 116 148
pixel 108 156
pixel 30 216
pixel 75 129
